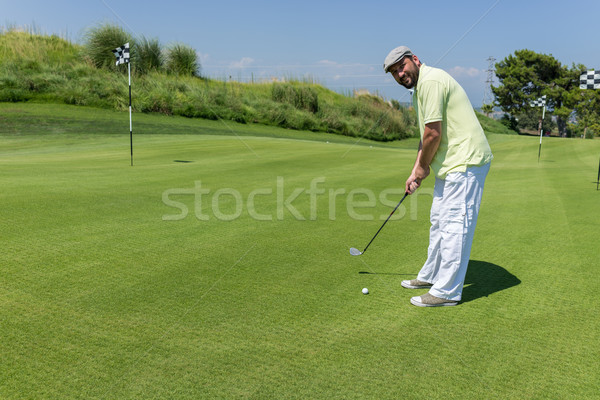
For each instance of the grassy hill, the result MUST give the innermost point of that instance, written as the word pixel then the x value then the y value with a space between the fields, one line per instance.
pixel 49 69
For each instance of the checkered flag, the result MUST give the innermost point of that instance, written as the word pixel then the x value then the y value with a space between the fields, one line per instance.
pixel 540 102
pixel 589 80
pixel 122 54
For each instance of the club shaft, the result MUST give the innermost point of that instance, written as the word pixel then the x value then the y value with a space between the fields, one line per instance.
pixel 388 218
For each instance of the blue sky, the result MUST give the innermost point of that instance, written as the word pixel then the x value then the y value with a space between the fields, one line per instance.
pixel 340 44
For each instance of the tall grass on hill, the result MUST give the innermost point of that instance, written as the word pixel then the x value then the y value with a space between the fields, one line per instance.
pixel 150 55
pixel 182 60
pixel 29 48
pixel 49 69
pixel 301 97
pixel 101 40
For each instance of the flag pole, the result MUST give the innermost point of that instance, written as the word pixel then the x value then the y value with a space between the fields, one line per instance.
pixel 541 131
pixel 598 180
pixel 590 79
pixel 130 126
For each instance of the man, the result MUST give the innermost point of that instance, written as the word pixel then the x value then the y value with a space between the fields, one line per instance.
pixel 454 146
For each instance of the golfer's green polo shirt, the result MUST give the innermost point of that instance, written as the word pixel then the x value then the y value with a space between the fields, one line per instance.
pixel 438 97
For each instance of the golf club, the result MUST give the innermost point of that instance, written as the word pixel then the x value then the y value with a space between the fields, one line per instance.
pixel 355 252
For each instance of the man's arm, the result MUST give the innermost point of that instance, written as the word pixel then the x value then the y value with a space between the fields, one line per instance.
pixel 432 135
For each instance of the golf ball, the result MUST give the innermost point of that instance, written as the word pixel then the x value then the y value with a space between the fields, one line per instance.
pixel 365 291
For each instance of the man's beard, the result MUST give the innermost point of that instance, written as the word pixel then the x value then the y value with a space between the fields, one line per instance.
pixel 413 81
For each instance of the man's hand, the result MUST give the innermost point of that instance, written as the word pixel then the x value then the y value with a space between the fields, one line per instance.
pixel 414 180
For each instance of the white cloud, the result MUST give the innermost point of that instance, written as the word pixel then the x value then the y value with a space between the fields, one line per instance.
pixel 463 72
pixel 243 63
pixel 328 63
pixel 202 57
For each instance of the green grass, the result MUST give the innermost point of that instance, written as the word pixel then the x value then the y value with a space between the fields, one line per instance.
pixel 101 298
pixel 490 125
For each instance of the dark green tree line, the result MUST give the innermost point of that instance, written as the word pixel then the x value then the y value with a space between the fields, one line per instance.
pixel 526 76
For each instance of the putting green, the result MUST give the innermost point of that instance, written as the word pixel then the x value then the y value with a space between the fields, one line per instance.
pixel 218 267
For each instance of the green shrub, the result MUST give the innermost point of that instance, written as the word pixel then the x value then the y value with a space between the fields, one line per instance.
pixel 580 130
pixel 149 56
pixel 510 122
pixel 101 40
pixel 75 96
pixel 335 123
pixel 157 102
pixel 590 133
pixel 302 98
pixel 14 94
pixel 183 60
pixel 8 79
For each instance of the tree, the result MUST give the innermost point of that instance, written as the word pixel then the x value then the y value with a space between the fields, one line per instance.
pixel 562 92
pixel 584 105
pixel 526 76
pixel 530 120
pixel 487 109
pixel 585 111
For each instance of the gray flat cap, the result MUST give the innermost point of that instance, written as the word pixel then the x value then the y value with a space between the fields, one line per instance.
pixel 396 55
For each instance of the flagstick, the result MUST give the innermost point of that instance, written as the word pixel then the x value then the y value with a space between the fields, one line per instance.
pixel 590 79
pixel 598 180
pixel 130 127
pixel 541 131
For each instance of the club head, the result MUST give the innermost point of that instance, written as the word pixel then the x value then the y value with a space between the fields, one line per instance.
pixel 355 252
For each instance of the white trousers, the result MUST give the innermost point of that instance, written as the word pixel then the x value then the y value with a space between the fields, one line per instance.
pixel 454 212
